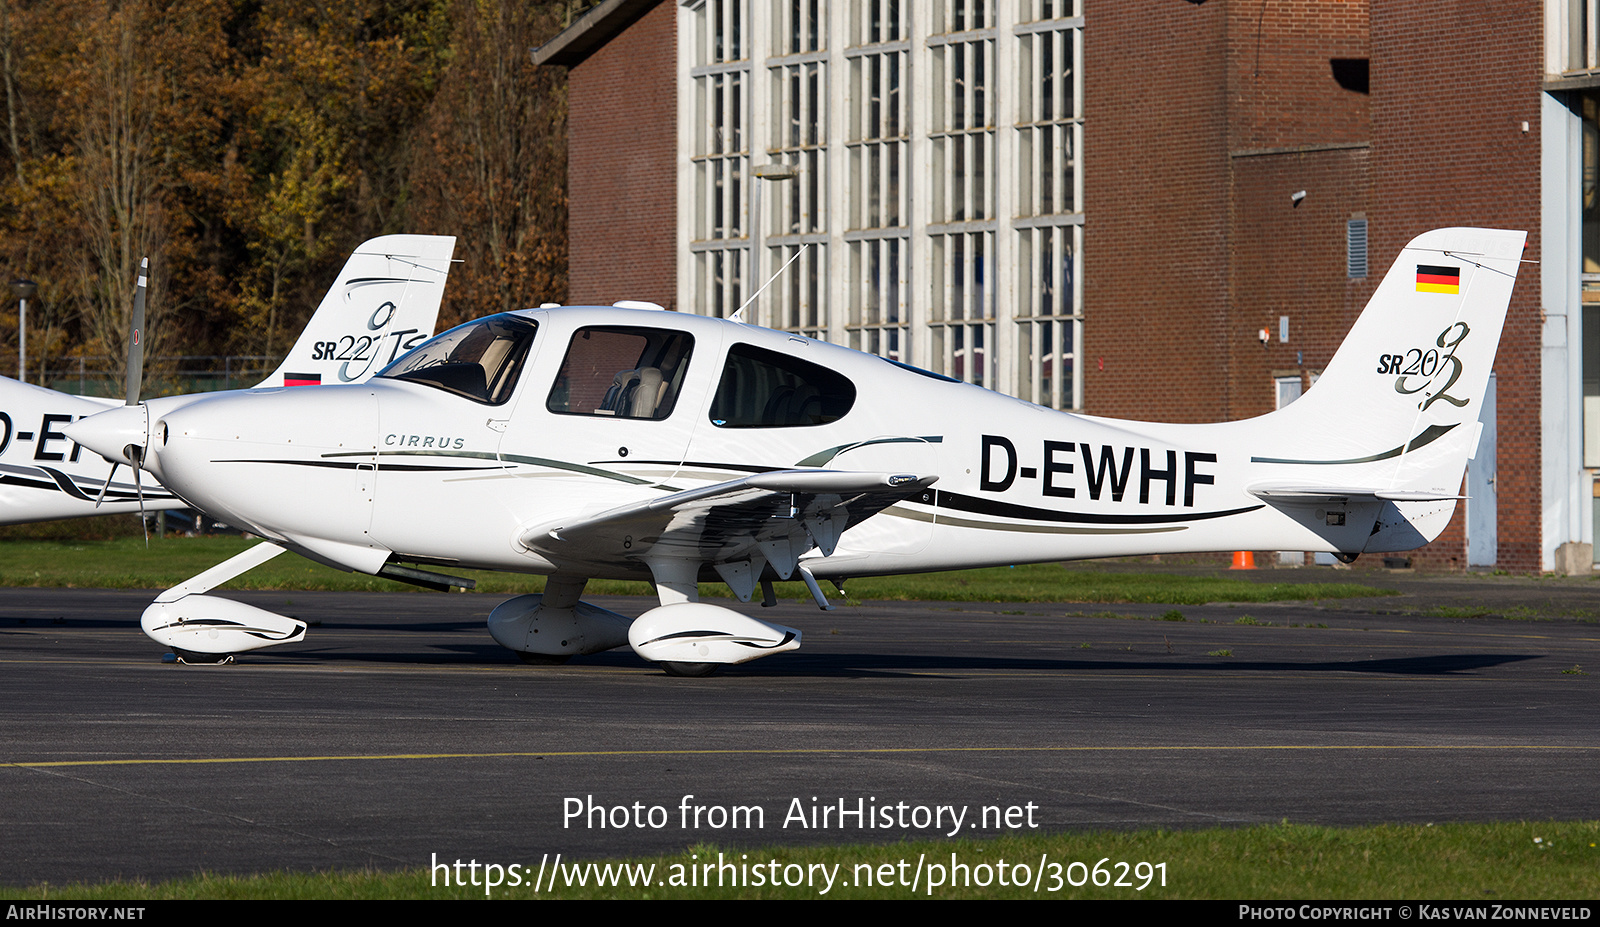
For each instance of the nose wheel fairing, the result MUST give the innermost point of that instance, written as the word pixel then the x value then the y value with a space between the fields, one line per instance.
pixel 194 624
pixel 205 624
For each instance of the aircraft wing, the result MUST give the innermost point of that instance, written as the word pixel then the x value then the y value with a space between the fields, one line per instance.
pixel 1320 495
pixel 737 527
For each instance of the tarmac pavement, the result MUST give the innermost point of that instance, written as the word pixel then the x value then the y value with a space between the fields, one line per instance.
pixel 398 733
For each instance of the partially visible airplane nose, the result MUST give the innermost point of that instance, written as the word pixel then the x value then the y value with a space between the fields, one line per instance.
pixel 276 462
pixel 113 432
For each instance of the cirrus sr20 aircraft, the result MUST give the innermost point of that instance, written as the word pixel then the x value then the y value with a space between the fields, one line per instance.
pixel 631 443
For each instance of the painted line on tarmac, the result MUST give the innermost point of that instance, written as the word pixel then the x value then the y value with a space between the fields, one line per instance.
pixel 817 751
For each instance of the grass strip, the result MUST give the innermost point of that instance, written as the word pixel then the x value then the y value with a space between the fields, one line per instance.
pixel 1480 863
pixel 127 564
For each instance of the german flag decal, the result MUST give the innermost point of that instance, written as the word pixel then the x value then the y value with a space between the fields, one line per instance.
pixel 1434 279
pixel 315 379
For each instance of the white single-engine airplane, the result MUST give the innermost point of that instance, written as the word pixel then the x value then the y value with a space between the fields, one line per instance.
pixel 385 302
pixel 635 444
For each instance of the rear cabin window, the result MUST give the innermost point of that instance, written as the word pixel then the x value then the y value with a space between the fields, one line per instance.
pixel 765 389
pixel 622 372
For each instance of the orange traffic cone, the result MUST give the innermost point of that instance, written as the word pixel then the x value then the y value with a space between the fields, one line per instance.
pixel 1244 560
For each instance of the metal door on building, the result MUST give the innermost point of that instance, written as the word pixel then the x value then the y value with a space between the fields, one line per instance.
pixel 1483 533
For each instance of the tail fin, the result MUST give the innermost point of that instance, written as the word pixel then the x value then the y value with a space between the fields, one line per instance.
pixel 384 302
pixel 1394 417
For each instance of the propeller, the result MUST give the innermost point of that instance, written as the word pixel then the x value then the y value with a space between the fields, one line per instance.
pixel 136 339
pixel 134 452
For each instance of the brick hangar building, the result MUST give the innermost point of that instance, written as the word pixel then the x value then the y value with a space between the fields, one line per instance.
pixel 1100 206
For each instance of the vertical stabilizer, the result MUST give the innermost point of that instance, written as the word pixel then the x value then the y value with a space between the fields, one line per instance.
pixel 1394 417
pixel 385 302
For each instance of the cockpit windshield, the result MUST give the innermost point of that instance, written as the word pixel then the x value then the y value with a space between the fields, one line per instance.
pixel 479 360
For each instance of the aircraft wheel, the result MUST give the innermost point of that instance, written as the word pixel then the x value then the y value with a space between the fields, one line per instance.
pixel 190 658
pixel 543 659
pixel 689 670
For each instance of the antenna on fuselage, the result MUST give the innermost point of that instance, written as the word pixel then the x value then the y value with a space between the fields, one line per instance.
pixel 735 316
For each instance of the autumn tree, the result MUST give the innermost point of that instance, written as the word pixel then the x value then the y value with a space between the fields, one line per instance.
pixel 247 146
pixel 122 175
pixel 107 104
pixel 36 204
pixel 333 93
pixel 490 163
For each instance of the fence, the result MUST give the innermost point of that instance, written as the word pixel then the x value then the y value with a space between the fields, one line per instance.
pixel 181 373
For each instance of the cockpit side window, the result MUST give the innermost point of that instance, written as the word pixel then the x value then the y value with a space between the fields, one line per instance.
pixel 623 372
pixel 765 389
pixel 479 360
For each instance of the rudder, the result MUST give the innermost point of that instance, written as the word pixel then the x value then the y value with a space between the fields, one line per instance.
pixel 1394 416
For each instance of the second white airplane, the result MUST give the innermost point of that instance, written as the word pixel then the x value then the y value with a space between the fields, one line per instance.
pixel 636 444
pixel 384 303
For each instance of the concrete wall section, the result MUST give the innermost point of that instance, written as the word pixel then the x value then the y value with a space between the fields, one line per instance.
pixel 1200 122
pixel 1452 89
pixel 1156 208
pixel 1290 260
pixel 1566 485
pixel 622 175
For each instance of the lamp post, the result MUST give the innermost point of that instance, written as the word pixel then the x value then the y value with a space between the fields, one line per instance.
pixel 763 172
pixel 25 289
